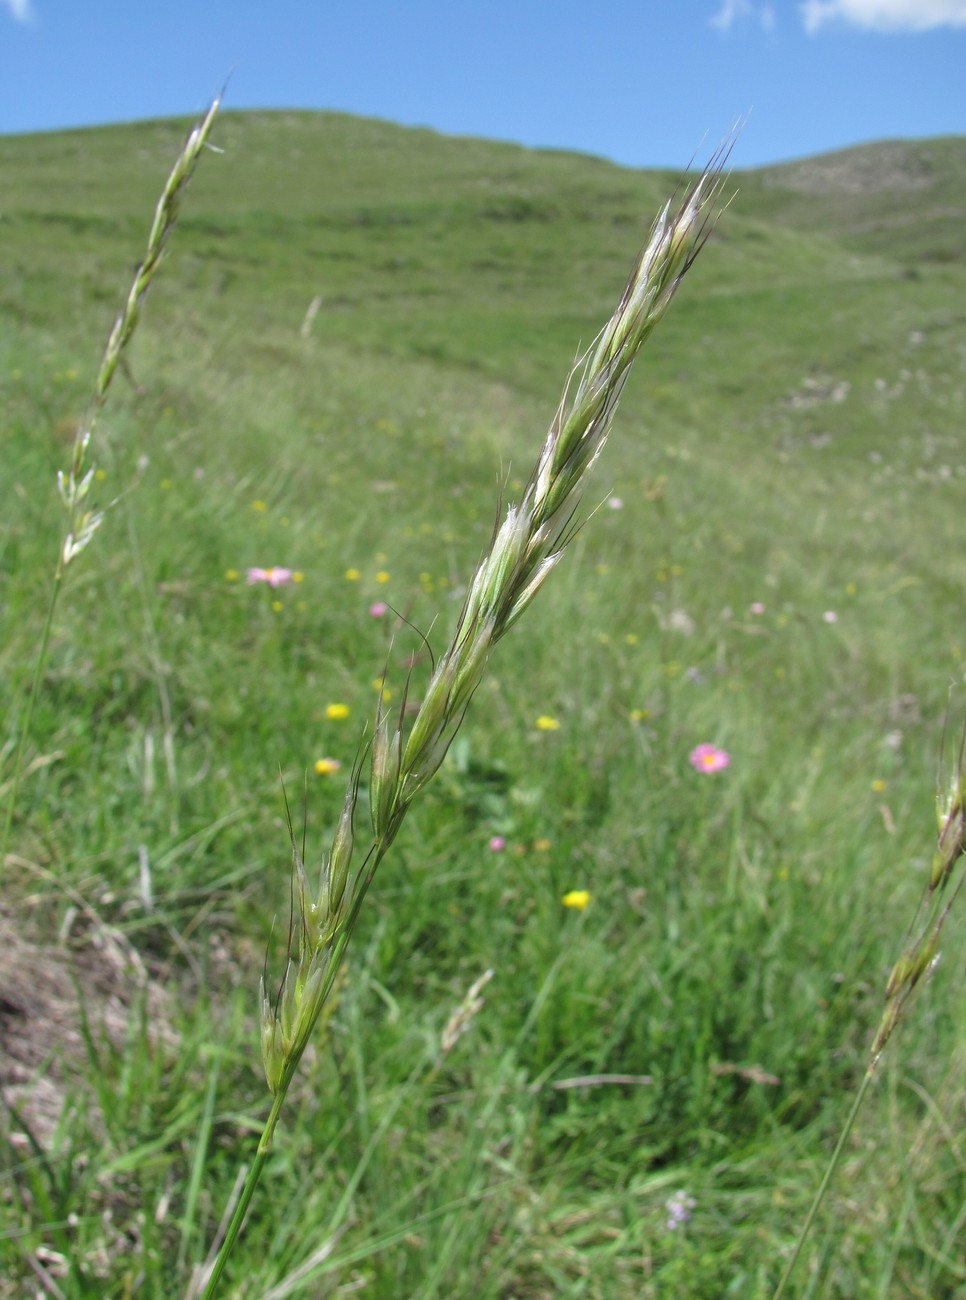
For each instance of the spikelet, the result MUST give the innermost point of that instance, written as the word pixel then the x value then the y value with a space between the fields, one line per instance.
pixel 921 956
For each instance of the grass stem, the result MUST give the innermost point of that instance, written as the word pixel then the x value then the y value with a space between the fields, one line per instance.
pixel 825 1183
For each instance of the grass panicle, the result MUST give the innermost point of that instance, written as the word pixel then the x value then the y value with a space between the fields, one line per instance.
pixel 921 954
pixel 81 518
pixel 75 483
pixel 525 549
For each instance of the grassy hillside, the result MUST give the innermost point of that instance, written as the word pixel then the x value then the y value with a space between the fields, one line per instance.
pixel 775 566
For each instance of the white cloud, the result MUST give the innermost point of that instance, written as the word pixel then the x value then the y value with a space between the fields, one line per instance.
pixel 732 10
pixel 729 11
pixel 20 10
pixel 885 15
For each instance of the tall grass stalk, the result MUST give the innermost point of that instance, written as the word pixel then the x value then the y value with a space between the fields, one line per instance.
pixel 915 964
pixel 82 519
pixel 404 757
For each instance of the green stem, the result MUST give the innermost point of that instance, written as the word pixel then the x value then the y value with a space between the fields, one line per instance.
pixel 824 1185
pixel 29 713
pixel 265 1141
pixel 248 1190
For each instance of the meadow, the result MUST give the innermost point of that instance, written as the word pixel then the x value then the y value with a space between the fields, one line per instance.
pixel 348 362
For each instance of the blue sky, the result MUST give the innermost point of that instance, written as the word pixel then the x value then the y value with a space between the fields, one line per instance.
pixel 643 82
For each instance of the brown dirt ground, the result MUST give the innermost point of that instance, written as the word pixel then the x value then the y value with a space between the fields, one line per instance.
pixel 42 988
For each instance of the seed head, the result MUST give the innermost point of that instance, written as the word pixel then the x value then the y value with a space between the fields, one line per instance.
pixel 951 815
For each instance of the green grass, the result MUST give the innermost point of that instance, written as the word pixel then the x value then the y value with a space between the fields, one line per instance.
pixel 793 435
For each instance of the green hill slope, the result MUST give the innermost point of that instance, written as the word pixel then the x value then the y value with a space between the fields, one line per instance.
pixel 481 254
pixel 902 198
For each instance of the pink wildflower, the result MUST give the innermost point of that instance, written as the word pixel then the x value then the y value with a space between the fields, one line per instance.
pixel 378 608
pixel 497 843
pixel 275 576
pixel 708 758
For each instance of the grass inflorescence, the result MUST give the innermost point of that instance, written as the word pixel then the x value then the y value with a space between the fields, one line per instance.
pixel 406 755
